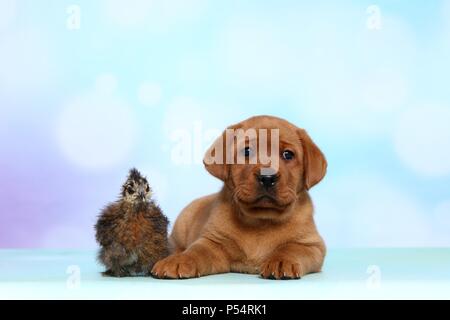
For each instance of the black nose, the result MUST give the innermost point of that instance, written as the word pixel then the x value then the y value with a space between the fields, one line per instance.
pixel 268 181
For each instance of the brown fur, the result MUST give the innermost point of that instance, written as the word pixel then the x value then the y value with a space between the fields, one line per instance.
pixel 132 238
pixel 236 230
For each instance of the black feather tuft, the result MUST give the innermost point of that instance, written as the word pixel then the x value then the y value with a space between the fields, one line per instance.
pixel 135 175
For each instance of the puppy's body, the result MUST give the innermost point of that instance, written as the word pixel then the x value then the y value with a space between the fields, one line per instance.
pixel 257 223
pixel 207 216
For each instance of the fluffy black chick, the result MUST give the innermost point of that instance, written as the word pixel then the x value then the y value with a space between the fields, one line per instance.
pixel 132 231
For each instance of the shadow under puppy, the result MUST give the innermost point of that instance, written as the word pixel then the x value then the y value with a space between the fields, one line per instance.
pixel 259 222
pixel 132 231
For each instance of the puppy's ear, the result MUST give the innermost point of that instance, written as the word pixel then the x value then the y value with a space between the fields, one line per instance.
pixel 315 164
pixel 215 158
pixel 221 154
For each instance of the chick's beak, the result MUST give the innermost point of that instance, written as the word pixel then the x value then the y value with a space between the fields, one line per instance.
pixel 141 195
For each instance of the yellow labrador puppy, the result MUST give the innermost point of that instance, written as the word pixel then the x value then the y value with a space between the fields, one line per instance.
pixel 262 220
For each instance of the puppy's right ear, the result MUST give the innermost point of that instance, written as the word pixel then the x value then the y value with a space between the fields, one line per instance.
pixel 221 154
pixel 215 158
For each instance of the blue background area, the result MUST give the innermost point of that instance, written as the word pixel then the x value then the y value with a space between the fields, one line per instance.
pixel 83 97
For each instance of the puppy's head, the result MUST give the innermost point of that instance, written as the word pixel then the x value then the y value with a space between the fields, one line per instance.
pixel 266 162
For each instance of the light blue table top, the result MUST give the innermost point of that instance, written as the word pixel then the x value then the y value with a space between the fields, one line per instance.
pixel 348 273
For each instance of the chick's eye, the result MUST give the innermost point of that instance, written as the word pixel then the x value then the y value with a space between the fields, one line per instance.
pixel 288 155
pixel 247 151
pixel 147 189
pixel 130 190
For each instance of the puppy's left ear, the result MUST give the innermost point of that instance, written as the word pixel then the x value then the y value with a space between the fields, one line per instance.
pixel 315 164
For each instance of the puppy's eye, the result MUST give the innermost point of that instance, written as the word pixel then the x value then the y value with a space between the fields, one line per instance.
pixel 288 155
pixel 247 151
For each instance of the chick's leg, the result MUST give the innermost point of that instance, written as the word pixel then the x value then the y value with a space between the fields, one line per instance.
pixel 116 259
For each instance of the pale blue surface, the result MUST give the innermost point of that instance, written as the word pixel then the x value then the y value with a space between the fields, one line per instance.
pixel 404 273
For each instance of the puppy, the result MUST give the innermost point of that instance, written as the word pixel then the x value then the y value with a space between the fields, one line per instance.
pixel 261 222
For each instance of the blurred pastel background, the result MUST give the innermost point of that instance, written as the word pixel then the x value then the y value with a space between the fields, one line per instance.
pixel 90 88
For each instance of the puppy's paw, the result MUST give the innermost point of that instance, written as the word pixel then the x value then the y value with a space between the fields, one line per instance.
pixel 277 268
pixel 177 266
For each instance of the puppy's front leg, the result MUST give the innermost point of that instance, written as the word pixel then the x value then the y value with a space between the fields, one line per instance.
pixel 203 257
pixel 293 260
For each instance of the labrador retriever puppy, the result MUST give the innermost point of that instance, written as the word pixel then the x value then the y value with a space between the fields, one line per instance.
pixel 261 221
